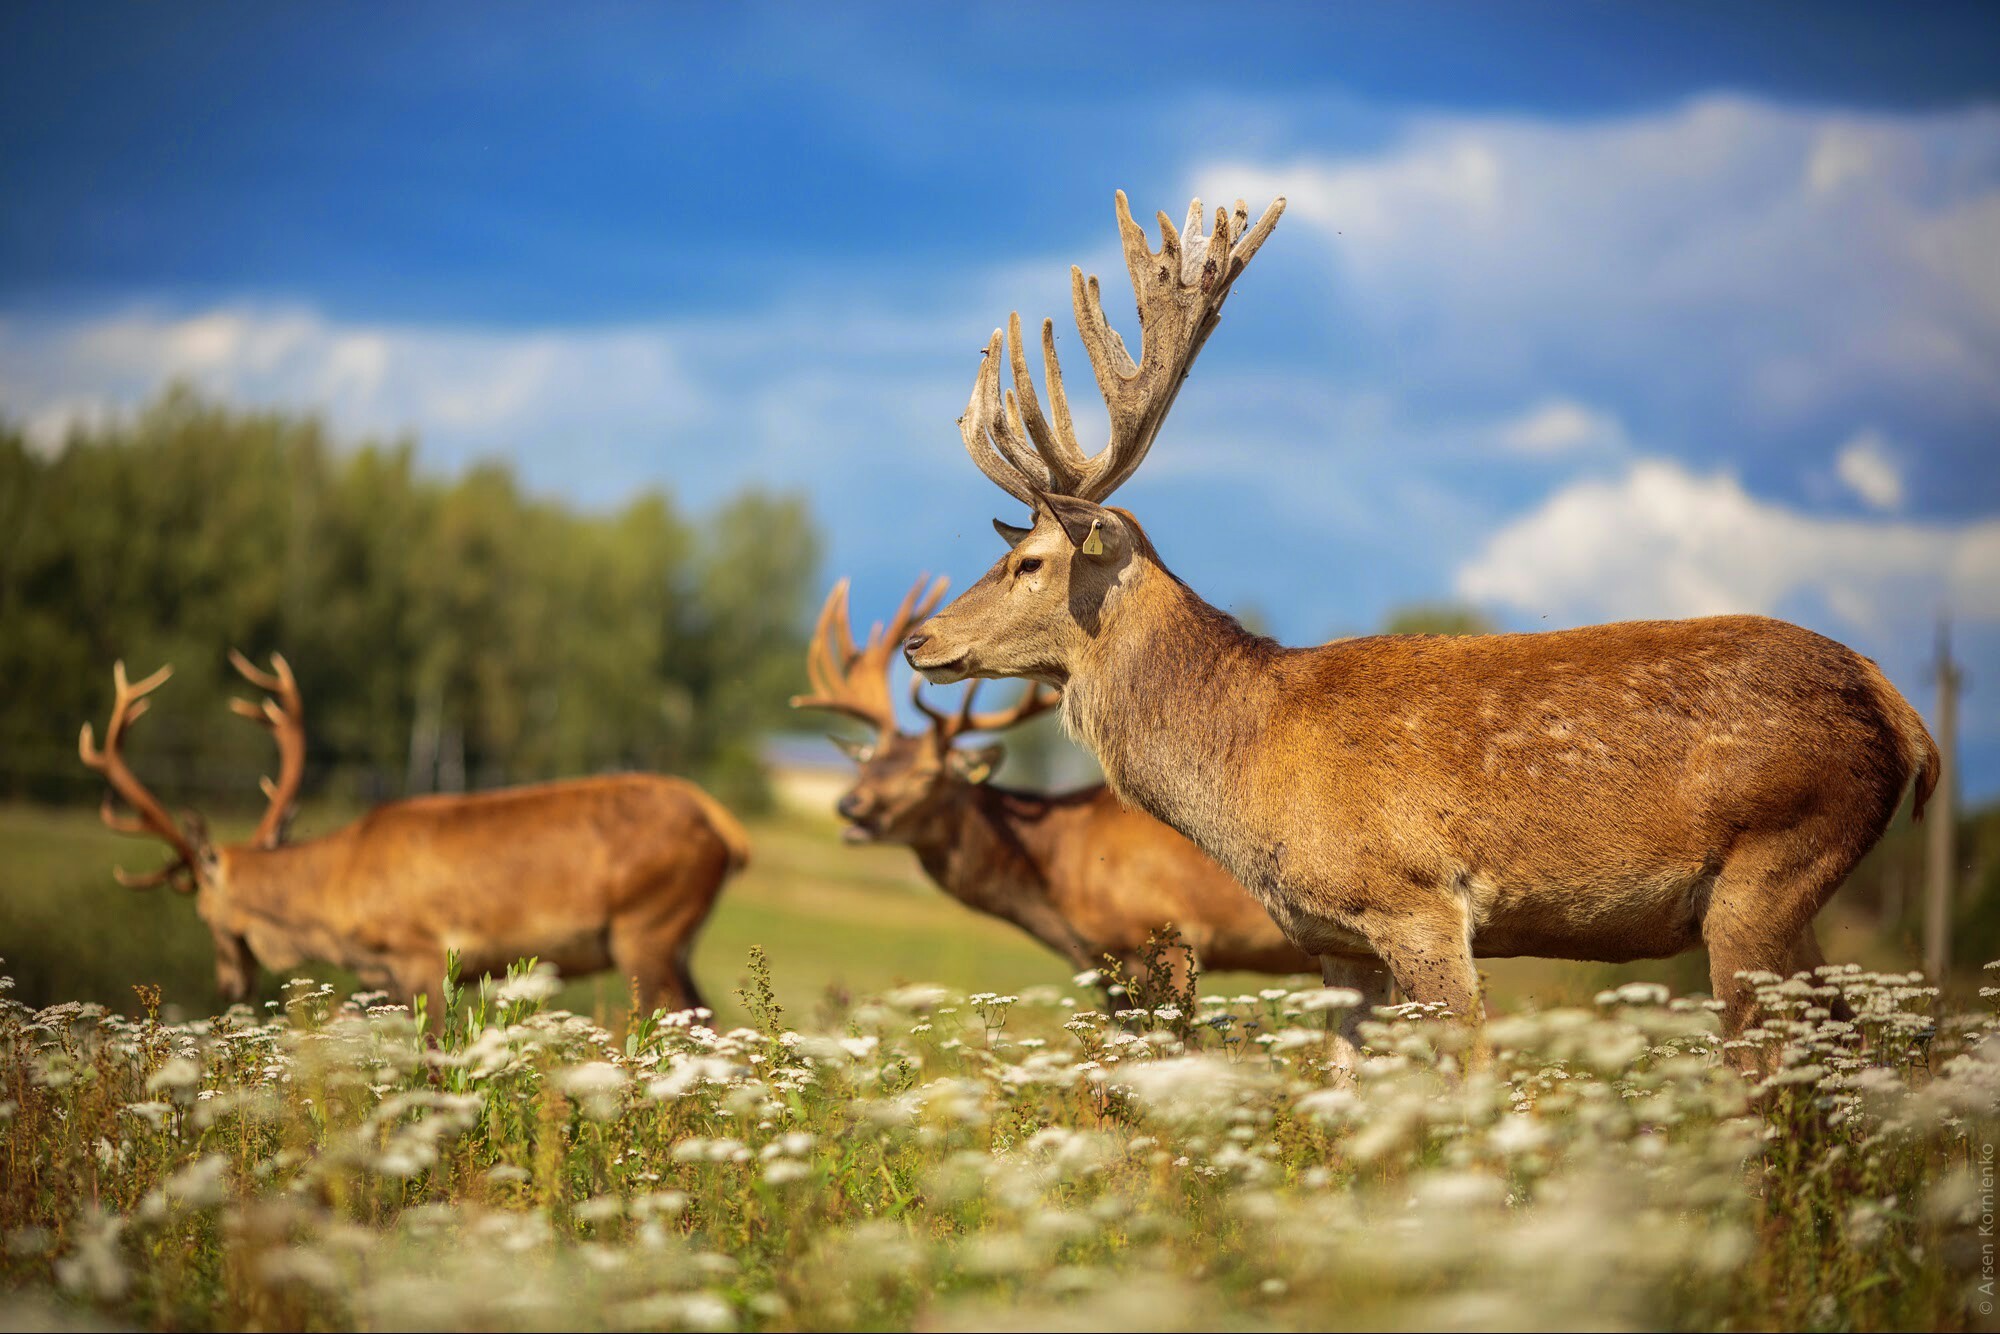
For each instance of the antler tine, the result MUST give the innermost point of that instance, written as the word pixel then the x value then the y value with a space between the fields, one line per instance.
pixel 909 614
pixel 961 721
pixel 831 644
pixel 128 705
pixel 172 873
pixel 1063 460
pixel 829 655
pixel 855 681
pixel 988 432
pixel 107 811
pixel 1036 699
pixel 948 726
pixel 1180 291
pixel 284 717
pixel 941 722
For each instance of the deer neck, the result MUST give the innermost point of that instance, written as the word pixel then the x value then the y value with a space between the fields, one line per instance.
pixel 1173 697
pixel 984 850
pixel 270 895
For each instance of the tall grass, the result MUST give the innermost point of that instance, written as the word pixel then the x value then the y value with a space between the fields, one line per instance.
pixel 953 1161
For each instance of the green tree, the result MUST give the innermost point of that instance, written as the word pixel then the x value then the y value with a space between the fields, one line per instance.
pixel 444 629
pixel 1437 618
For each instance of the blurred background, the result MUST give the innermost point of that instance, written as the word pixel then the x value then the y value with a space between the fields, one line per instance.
pixel 526 373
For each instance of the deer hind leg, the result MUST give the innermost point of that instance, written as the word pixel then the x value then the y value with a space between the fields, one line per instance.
pixel 1805 958
pixel 1761 909
pixel 654 955
pixel 654 946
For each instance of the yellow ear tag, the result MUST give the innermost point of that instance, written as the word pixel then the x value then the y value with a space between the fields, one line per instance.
pixel 1093 545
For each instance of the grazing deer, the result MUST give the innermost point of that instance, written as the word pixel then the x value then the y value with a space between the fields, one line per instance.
pixel 1082 873
pixel 1608 793
pixel 588 874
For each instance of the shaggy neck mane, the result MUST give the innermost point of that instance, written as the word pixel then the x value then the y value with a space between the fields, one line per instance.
pixel 1169 696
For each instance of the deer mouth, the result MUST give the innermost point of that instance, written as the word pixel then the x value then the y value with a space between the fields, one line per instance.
pixel 858 833
pixel 944 673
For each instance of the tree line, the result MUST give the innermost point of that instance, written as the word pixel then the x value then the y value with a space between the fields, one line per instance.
pixel 447 631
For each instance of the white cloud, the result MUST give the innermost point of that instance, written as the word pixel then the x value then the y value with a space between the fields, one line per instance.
pixel 703 405
pixel 1561 426
pixel 1865 465
pixel 1663 541
pixel 1776 267
pixel 368 377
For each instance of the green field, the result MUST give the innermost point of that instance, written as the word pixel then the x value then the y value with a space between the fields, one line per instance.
pixel 832 919
pixel 889 1156
pixel 829 916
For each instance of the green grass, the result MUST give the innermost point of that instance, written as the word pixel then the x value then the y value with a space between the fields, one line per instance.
pixel 833 919
pixel 830 917
pixel 928 1158
pixel 935 1160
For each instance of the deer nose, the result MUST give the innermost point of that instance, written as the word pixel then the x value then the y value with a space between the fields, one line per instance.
pixel 913 643
pixel 849 805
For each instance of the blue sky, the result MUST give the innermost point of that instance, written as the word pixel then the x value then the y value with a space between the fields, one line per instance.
pixel 1579 312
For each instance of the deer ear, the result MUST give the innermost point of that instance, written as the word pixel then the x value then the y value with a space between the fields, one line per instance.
pixel 976 766
pixel 1092 529
pixel 1010 534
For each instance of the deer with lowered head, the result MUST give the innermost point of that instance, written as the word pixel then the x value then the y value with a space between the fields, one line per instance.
pixel 1409 802
pixel 1083 873
pixel 588 874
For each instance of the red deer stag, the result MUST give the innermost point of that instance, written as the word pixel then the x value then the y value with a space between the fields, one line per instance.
pixel 1082 873
pixel 1609 793
pixel 594 873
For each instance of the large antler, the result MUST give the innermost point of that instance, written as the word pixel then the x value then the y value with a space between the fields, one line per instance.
pixel 855 681
pixel 284 717
pixel 1036 699
pixel 1180 290
pixel 127 706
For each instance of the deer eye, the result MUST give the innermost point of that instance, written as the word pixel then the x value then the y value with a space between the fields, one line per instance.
pixel 1028 566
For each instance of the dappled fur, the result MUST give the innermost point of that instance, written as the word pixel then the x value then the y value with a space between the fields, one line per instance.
pixel 1615 792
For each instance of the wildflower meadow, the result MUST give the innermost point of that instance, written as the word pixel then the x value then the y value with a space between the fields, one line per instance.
pixel 1100 1156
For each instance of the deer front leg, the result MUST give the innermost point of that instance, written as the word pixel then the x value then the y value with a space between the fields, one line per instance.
pixel 1367 976
pixel 1427 947
pixel 419 977
pixel 1371 979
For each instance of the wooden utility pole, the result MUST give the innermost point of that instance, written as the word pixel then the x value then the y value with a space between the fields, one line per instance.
pixel 1941 856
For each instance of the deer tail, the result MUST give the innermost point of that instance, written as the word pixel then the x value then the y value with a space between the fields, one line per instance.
pixel 1921 761
pixel 726 826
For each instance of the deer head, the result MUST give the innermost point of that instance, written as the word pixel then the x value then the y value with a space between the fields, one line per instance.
pixel 196 866
pixel 905 778
pixel 1036 609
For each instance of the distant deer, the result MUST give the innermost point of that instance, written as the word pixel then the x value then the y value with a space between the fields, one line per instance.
pixel 616 872
pixel 1610 793
pixel 1082 873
